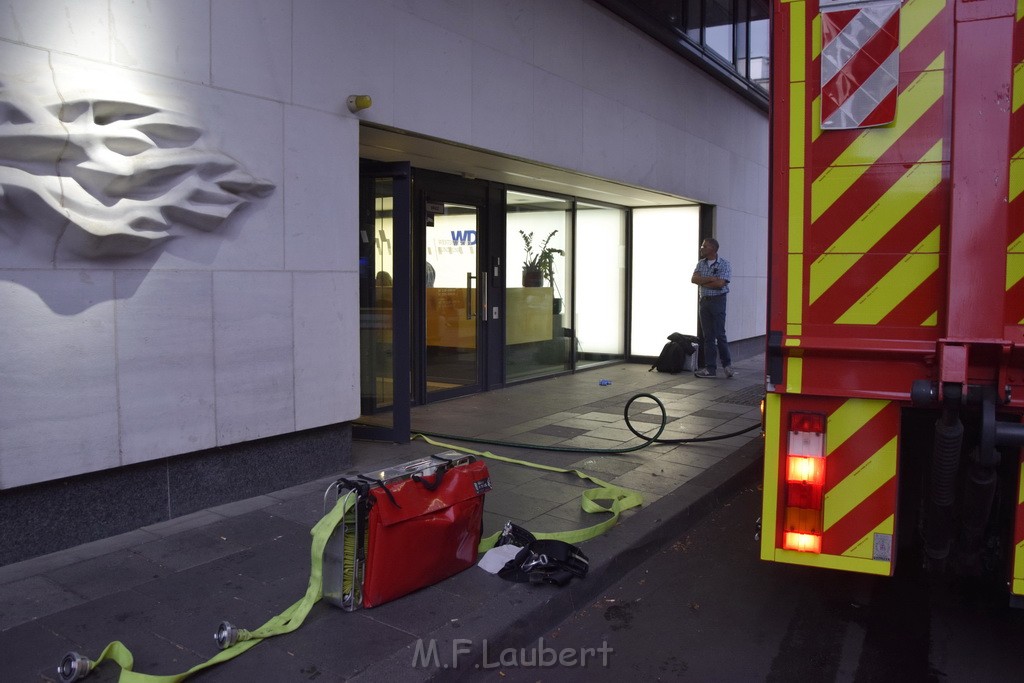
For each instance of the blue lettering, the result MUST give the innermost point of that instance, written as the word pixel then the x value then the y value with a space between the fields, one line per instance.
pixel 464 237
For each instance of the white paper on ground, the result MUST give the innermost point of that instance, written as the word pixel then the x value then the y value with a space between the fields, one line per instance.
pixel 496 558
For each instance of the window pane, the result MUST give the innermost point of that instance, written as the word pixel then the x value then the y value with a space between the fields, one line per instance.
pixel 719 28
pixel 693 18
pixel 740 34
pixel 759 42
pixel 663 299
pixel 600 284
pixel 536 301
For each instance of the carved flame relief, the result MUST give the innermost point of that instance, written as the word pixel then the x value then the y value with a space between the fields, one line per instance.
pixel 117 178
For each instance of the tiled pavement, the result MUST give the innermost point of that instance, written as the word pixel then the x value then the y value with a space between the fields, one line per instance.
pixel 163 589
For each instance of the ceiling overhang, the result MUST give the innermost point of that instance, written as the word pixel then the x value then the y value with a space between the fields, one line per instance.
pixel 387 144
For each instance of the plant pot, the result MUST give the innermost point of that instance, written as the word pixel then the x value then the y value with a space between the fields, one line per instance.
pixel 533 277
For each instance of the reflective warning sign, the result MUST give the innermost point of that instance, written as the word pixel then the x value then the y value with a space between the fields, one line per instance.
pixel 859 63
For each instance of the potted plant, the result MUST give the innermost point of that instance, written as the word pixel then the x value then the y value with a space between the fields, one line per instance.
pixel 539 266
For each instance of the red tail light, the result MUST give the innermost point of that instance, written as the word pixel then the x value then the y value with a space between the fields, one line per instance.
pixel 805 482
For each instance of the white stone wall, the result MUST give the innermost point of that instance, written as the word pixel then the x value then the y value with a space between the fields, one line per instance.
pixel 252 330
pixel 213 338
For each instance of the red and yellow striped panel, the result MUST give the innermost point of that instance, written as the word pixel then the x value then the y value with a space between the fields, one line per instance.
pixel 1017 585
pixel 866 209
pixel 1015 244
pixel 862 443
pixel 1015 260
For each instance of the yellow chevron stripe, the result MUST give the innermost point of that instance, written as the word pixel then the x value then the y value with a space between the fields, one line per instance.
pixel 794 375
pixel 1018 86
pixel 838 562
pixel 911 105
pixel 896 285
pixel 865 547
pixel 848 418
pixel 1018 555
pixel 797 42
pixel 1017 174
pixel 797 157
pixel 815 122
pixel 1014 269
pixel 865 480
pixel 770 494
pixel 931 321
pixel 877 221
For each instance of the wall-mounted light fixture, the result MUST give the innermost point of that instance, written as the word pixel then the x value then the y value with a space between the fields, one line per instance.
pixel 358 103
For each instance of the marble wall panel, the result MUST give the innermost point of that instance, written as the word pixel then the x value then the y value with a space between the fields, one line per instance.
pixel 252 45
pixel 603 134
pixel 165 363
pixel 502 102
pixel 77 26
pixel 642 150
pixel 356 38
pixel 58 406
pixel 454 15
pixel 166 38
pixel 555 49
pixel 558 113
pixel 321 205
pixel 253 355
pixel 433 87
pixel 326 348
pixel 505 26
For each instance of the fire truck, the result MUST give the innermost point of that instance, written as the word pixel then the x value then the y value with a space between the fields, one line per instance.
pixel 894 406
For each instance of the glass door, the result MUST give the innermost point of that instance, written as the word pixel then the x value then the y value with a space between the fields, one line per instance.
pixel 384 301
pixel 448 262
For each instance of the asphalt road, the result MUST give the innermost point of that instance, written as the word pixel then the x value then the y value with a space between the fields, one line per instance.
pixel 706 608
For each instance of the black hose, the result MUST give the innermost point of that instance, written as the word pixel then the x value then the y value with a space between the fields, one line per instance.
pixel 648 440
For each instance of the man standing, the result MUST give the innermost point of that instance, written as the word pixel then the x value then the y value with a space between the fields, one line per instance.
pixel 712 277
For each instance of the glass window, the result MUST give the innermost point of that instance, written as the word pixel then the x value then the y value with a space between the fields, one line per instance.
pixel 665 252
pixel 759 42
pixel 537 278
pixel 742 14
pixel 693 19
pixel 718 32
pixel 376 313
pixel 600 284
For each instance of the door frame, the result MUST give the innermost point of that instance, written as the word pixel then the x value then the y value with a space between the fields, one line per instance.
pixel 433 186
pixel 401 175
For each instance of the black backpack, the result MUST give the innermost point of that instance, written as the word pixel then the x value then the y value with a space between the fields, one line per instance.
pixel 675 353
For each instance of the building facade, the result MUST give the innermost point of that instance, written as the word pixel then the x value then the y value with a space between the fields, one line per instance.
pixel 201 222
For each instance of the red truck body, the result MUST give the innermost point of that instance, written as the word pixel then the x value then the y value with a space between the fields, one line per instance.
pixel 895 358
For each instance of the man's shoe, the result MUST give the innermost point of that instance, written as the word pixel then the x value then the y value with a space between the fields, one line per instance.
pixel 703 372
pixel 728 371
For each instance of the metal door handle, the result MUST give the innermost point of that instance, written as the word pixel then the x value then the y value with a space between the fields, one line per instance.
pixel 469 295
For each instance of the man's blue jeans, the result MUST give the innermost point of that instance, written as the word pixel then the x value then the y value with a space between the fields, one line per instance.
pixel 711 310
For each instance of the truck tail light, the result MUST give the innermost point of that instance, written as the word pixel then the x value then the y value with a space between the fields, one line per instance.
pixel 805 483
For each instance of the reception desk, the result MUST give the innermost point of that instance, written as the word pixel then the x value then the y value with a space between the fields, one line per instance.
pixel 528 316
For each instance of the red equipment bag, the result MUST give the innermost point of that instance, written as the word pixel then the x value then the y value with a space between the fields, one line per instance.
pixel 410 526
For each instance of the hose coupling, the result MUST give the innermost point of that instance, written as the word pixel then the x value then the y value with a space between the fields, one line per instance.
pixel 226 635
pixel 74 667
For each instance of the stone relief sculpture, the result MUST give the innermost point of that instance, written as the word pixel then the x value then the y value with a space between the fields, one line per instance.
pixel 111 178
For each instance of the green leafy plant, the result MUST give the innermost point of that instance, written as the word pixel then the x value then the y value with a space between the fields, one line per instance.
pixel 544 258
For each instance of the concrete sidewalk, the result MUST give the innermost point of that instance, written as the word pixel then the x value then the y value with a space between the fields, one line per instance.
pixel 163 590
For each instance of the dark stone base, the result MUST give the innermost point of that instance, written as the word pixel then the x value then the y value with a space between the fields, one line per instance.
pixel 43 518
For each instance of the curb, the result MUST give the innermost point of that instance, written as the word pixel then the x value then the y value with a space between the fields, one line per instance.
pixel 513 615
